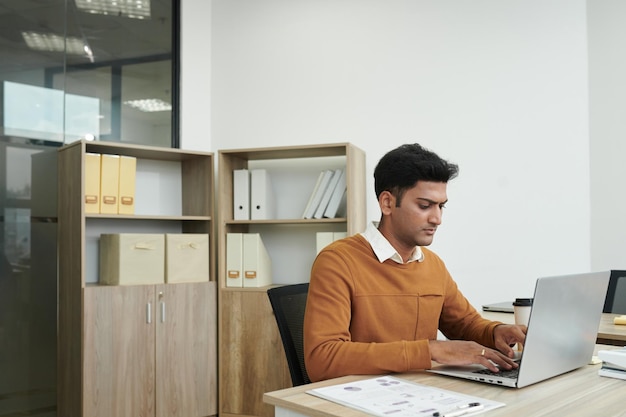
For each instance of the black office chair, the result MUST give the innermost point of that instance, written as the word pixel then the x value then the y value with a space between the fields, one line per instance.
pixel 615 301
pixel 288 303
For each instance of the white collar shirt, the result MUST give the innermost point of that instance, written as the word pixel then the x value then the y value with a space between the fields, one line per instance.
pixel 383 249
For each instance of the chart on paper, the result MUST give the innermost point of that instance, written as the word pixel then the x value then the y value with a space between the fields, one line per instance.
pixel 390 396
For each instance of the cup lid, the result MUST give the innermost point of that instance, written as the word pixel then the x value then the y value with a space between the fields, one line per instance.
pixel 523 302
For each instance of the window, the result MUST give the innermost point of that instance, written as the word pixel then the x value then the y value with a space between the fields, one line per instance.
pixel 69 69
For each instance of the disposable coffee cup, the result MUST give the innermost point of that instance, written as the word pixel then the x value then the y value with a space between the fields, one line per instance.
pixel 521 311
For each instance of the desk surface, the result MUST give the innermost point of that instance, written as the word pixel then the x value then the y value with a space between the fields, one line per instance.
pixel 578 393
pixel 608 333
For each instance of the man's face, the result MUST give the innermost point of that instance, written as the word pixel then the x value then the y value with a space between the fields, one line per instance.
pixel 415 222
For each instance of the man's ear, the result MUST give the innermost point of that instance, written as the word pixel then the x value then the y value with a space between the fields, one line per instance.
pixel 386 201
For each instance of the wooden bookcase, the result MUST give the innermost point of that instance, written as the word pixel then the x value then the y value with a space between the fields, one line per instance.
pixel 251 356
pixel 115 358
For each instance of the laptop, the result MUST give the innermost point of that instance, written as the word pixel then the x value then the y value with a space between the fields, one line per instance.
pixel 562 332
pixel 501 307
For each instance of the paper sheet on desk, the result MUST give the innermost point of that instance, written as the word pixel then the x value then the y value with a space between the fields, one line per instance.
pixel 390 396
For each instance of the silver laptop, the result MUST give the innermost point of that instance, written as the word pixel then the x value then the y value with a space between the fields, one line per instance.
pixel 501 307
pixel 561 336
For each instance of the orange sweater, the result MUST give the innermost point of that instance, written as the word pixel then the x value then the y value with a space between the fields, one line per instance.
pixel 364 317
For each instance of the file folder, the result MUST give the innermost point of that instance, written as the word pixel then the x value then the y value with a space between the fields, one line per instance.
pixel 319 212
pixel 234 259
pixel 323 239
pixel 257 271
pixel 92 183
pixel 241 194
pixel 318 193
pixel 109 183
pixel 336 199
pixel 126 200
pixel 261 195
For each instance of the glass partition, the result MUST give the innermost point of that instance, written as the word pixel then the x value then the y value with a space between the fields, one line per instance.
pixel 69 70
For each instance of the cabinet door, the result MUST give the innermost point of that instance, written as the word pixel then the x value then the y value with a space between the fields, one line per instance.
pixel 251 354
pixel 186 380
pixel 118 372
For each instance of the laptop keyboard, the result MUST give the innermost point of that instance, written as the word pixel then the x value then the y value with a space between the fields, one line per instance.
pixel 512 373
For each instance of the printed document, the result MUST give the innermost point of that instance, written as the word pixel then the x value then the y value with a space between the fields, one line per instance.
pixel 386 396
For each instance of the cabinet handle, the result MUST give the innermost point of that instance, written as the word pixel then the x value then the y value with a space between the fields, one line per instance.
pixel 149 313
pixel 162 312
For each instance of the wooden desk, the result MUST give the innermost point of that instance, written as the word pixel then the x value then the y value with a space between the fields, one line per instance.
pixel 580 393
pixel 608 333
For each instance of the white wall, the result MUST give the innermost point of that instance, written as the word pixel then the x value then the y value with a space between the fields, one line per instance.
pixel 195 79
pixel 498 87
pixel 607 109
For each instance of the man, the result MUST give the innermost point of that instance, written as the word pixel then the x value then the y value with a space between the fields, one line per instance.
pixel 377 299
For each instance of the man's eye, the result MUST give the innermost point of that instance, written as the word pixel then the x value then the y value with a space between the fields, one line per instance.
pixel 424 206
pixel 442 206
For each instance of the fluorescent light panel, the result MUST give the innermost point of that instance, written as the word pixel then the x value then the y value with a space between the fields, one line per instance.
pixel 136 9
pixel 149 105
pixel 54 43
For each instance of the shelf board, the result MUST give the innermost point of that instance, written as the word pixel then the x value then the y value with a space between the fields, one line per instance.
pixel 146 217
pixel 141 151
pixel 287 221
pixel 288 152
pixel 249 289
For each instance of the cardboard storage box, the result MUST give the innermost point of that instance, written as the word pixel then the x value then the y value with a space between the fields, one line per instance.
pixel 186 257
pixel 132 259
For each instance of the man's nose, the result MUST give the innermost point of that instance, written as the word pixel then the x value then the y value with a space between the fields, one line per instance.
pixel 435 216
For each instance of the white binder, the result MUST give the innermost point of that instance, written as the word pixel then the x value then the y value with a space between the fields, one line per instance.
pixel 241 194
pixel 319 191
pixel 261 195
pixel 257 266
pixel 309 209
pixel 234 260
pixel 335 200
pixel 332 184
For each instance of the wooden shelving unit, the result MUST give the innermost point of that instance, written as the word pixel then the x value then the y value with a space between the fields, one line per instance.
pixel 251 356
pixel 146 350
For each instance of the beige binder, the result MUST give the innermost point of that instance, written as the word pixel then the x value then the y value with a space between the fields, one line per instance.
pixel 92 183
pixel 323 239
pixel 132 259
pixel 109 183
pixel 126 200
pixel 257 266
pixel 234 259
pixel 186 257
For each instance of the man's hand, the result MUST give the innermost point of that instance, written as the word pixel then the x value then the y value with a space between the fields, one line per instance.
pixel 461 352
pixel 506 336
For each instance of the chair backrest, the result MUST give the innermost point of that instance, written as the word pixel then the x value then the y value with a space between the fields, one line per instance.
pixel 288 303
pixel 615 301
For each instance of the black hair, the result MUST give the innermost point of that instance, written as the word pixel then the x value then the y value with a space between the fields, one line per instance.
pixel 401 168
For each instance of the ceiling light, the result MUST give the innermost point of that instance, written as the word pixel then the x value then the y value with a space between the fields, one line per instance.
pixel 149 105
pixel 54 43
pixel 136 9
